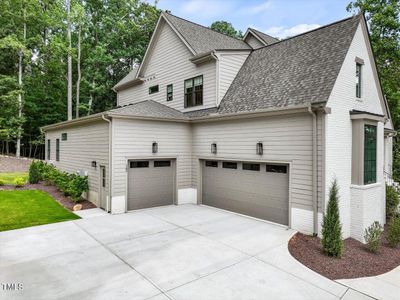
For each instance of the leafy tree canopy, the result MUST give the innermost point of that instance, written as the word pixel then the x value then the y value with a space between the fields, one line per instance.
pixel 226 28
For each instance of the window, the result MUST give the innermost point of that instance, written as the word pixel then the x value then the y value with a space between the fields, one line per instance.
pixel 153 89
pixel 369 154
pixel 64 136
pixel 276 169
pixel 229 165
pixel 194 91
pixel 169 92
pixel 103 177
pixel 358 80
pixel 162 163
pixel 48 150
pixel 212 163
pixel 57 149
pixel 251 167
pixel 139 164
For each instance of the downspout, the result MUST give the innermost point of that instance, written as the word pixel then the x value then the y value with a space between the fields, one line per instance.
pixel 314 170
pixel 109 161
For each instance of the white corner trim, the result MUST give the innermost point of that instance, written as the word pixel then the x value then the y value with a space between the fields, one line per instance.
pixel 188 195
pixel 118 205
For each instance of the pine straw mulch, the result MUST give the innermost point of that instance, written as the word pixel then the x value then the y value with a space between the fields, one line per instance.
pixel 356 260
pixel 59 196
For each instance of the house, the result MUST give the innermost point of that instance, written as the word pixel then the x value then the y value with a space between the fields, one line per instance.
pixel 257 126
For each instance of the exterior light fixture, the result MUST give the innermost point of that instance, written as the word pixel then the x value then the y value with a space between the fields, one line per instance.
pixel 214 148
pixel 259 148
pixel 94 164
pixel 154 147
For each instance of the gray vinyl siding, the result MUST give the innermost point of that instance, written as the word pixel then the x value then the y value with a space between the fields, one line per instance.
pixel 168 63
pixel 285 138
pixel 134 138
pixel 229 66
pixel 253 42
pixel 85 143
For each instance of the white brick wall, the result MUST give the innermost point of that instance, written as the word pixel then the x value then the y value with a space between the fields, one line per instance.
pixel 339 126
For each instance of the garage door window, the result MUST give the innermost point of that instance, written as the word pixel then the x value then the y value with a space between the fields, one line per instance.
pixel 139 164
pixel 229 165
pixel 277 169
pixel 211 163
pixel 251 167
pixel 162 163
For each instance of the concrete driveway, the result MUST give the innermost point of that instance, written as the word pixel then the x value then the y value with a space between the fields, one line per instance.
pixel 172 252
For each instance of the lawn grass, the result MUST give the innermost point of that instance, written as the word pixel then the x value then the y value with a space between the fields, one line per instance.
pixel 8 178
pixel 24 208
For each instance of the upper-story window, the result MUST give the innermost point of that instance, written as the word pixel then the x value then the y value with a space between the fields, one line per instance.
pixel 153 89
pixel 194 91
pixel 169 92
pixel 358 79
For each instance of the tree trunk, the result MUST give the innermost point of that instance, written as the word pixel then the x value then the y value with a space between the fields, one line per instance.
pixel 7 148
pixel 69 101
pixel 18 147
pixel 91 98
pixel 78 81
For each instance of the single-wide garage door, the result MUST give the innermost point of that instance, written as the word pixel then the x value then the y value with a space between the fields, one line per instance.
pixel 256 189
pixel 150 183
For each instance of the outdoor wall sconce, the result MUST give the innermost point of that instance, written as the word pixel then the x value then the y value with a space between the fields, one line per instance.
pixel 94 164
pixel 259 148
pixel 214 148
pixel 154 147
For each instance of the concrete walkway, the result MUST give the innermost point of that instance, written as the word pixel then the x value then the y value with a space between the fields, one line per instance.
pixel 172 252
pixel 385 286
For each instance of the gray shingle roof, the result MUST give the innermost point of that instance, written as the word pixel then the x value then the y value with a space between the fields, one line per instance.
pixel 131 76
pixel 295 71
pixel 149 109
pixel 203 39
pixel 265 37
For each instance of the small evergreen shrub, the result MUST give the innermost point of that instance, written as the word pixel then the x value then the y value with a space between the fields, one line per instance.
pixel 392 201
pixel 2 182
pixel 34 175
pixel 19 182
pixel 373 236
pixel 394 232
pixel 332 242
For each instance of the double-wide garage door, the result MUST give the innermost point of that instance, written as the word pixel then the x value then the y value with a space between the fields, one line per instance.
pixel 257 189
pixel 150 183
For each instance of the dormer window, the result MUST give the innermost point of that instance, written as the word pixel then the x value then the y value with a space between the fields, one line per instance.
pixel 194 91
pixel 153 89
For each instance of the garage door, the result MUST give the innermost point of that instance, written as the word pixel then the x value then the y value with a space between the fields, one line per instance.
pixel 150 183
pixel 256 189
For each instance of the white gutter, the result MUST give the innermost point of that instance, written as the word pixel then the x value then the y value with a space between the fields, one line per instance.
pixel 314 170
pixel 108 208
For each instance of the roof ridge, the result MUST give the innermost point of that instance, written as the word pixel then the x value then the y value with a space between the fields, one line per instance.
pixel 164 105
pixel 258 31
pixel 310 31
pixel 237 39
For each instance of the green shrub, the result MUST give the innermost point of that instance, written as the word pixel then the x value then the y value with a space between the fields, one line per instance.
pixel 332 241
pixel 392 201
pixel 2 182
pixel 34 175
pixel 373 236
pixel 19 181
pixel 70 184
pixel 394 232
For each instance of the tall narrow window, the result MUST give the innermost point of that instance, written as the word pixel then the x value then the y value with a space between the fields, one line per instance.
pixel 48 150
pixel 358 79
pixel 57 149
pixel 169 92
pixel 194 91
pixel 369 154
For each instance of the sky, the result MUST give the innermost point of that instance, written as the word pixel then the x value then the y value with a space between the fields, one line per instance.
pixel 279 18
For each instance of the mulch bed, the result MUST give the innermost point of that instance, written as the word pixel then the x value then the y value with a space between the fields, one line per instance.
pixel 54 192
pixel 356 260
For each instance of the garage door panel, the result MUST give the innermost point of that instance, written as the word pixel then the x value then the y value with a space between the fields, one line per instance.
pixel 150 186
pixel 259 194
